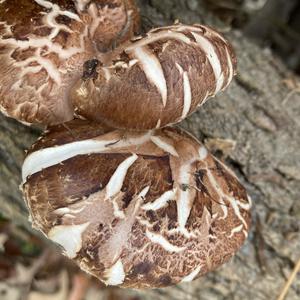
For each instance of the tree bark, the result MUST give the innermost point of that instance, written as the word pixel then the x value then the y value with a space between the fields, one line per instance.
pixel 255 127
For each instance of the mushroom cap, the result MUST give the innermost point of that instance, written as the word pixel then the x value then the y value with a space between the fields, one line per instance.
pixel 138 210
pixel 158 79
pixel 43 46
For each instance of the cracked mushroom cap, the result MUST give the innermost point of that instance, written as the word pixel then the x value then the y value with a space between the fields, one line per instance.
pixel 43 46
pixel 158 79
pixel 139 210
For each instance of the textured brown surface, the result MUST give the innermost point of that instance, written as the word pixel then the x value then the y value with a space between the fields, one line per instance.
pixel 265 130
pixel 177 211
pixel 158 79
pixel 43 46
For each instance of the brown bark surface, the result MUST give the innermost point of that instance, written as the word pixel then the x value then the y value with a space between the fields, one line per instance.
pixel 255 127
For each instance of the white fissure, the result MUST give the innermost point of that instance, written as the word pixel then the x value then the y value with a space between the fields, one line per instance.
pixel 63 211
pixel 46 44
pixel 152 68
pixel 45 4
pixel 158 124
pixel 192 275
pixel 219 192
pixel 236 230
pixel 44 158
pixel 203 153
pixel 236 209
pixel 115 275
pixel 245 206
pixel 69 237
pixel 187 91
pixel 144 192
pixel 233 202
pixel 57 10
pixel 164 145
pixel 187 99
pixel 213 59
pixel 163 242
pixel 96 20
pixel 116 182
pixel 63 53
pixel 117 179
pixel 50 18
pixel 230 68
pixel 184 202
pixel 47 157
pixel 161 201
pixel 181 28
pixel 204 99
pixel 153 37
pixel 118 213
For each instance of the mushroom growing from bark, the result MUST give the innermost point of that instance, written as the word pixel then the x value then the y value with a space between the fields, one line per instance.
pixel 157 80
pixel 43 46
pixel 135 209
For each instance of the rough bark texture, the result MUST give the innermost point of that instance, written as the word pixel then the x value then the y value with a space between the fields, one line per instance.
pixel 256 129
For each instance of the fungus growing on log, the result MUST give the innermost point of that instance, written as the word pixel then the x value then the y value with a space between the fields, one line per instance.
pixel 135 209
pixel 158 79
pixel 43 46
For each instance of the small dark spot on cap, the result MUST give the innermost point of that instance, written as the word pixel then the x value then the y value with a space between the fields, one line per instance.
pixel 184 187
pixel 172 224
pixel 89 69
pixel 151 215
pixel 171 211
pixel 165 279
pixel 200 173
pixel 142 268
pixel 114 222
pixel 156 227
pixel 171 238
pixel 107 3
pixel 63 19
pixel 126 200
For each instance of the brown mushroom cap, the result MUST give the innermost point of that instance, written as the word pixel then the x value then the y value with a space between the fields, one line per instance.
pixel 157 80
pixel 43 46
pixel 139 210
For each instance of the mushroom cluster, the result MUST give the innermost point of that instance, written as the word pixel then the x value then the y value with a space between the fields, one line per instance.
pixel 137 209
pixel 157 80
pixel 43 46
pixel 133 201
